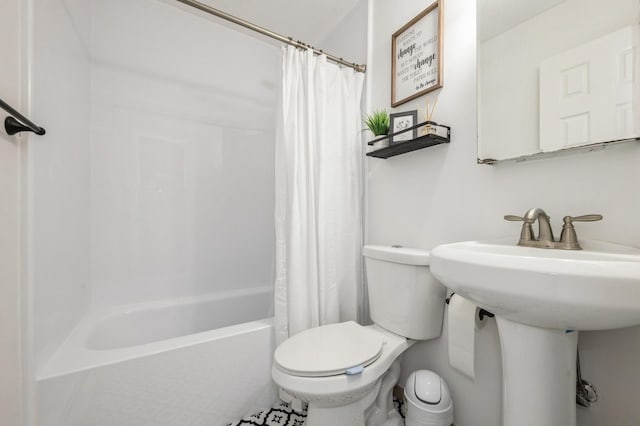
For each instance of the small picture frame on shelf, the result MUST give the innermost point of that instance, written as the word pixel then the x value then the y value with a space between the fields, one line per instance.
pixel 400 121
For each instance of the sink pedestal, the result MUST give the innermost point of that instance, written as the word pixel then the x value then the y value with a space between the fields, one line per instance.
pixel 539 375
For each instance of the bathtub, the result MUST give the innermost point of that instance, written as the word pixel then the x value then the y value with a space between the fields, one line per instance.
pixel 196 361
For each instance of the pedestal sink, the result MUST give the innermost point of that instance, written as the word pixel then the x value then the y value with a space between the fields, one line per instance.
pixel 541 298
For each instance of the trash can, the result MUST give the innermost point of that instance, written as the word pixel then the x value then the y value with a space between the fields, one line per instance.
pixel 428 400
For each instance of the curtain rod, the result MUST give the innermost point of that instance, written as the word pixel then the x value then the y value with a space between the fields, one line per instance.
pixel 253 27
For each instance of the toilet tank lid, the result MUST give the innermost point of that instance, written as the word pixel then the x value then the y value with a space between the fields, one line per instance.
pixel 397 254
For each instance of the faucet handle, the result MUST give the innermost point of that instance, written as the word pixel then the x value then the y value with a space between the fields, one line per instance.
pixel 526 234
pixel 513 218
pixel 583 218
pixel 568 237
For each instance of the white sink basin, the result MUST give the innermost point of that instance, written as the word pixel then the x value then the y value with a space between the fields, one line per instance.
pixel 591 289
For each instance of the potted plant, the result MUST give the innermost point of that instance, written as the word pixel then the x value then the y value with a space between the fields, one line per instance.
pixel 378 122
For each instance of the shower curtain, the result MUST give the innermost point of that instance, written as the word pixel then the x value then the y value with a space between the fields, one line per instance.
pixel 318 210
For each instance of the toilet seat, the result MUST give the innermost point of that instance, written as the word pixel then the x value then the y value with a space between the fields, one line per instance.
pixel 342 387
pixel 329 350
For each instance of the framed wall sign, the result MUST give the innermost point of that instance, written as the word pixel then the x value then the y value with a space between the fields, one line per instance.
pixel 400 121
pixel 416 56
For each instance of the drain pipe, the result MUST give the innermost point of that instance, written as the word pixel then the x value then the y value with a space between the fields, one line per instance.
pixel 586 392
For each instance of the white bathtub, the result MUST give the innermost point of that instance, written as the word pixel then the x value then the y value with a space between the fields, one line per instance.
pixel 197 361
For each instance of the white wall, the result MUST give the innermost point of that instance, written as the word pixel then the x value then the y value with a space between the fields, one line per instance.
pixel 10 83
pixel 348 39
pixel 183 126
pixel 57 174
pixel 440 195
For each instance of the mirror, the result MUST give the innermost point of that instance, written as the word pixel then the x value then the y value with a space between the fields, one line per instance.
pixel 556 76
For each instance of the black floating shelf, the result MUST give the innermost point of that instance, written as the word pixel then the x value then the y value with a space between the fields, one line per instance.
pixel 420 142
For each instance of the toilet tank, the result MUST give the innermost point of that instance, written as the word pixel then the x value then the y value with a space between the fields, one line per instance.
pixel 404 297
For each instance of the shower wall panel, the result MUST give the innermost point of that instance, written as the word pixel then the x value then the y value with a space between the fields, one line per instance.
pixel 56 182
pixel 183 126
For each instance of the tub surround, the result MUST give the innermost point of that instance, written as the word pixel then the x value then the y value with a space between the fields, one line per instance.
pixel 208 383
pixel 142 191
pixel 199 371
pixel 126 332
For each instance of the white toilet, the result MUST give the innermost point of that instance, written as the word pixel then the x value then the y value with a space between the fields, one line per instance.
pixel 346 372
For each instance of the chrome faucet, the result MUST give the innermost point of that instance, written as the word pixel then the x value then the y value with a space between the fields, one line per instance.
pixel 568 238
pixel 545 233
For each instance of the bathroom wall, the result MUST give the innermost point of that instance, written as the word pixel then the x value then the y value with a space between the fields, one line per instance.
pixel 439 195
pixel 57 174
pixel 183 123
pixel 348 38
pixel 10 365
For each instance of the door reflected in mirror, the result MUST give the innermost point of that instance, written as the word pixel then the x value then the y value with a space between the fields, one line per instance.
pixel 556 75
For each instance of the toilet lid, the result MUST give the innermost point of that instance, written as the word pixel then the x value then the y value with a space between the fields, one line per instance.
pixel 329 350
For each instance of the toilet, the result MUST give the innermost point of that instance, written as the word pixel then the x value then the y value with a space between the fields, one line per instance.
pixel 346 372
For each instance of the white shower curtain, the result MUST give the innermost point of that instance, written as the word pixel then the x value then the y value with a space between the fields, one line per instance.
pixel 318 211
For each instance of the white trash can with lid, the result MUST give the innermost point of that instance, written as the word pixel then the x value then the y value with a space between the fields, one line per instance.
pixel 428 400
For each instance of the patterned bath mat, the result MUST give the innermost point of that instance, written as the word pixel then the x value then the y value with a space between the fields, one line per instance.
pixel 280 415
pixel 283 415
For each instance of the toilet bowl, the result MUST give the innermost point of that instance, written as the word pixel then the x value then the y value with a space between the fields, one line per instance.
pixel 339 365
pixel 346 372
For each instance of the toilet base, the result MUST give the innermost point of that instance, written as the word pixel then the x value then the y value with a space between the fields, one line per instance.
pixel 375 408
pixel 352 414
